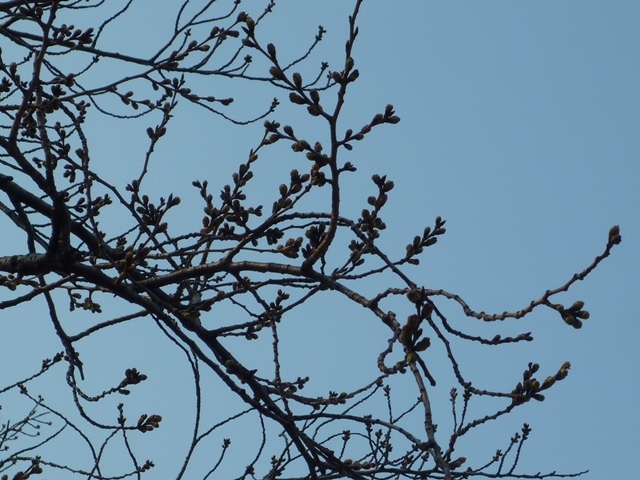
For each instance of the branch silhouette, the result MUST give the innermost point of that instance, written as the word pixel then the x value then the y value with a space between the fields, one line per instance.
pixel 266 263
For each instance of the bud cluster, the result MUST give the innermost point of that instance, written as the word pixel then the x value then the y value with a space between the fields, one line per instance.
pixel 573 315
pixel 530 387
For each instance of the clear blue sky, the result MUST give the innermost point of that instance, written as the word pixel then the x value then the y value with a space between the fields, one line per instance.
pixel 519 126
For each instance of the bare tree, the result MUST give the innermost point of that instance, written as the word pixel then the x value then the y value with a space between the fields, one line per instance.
pixel 236 280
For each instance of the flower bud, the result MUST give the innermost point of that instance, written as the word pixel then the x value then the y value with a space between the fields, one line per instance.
pixel 297 80
pixel 348 65
pixel 577 306
pixel 614 231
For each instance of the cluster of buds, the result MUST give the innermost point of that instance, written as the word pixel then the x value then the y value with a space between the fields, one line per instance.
pixel 34 469
pixel 411 333
pixel 293 387
pixel 614 236
pixel 530 387
pixel 146 423
pixel 334 398
pixel 131 377
pixel 356 465
pixel 291 248
pixel 573 315
pixel 429 238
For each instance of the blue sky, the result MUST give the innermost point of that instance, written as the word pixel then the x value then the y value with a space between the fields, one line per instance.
pixel 519 126
pixel 521 121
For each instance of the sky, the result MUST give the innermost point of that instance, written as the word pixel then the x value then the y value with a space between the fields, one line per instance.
pixel 519 126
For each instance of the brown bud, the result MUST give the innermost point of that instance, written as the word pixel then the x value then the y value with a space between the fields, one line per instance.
pixel 423 344
pixel 297 99
pixel 348 65
pixel 614 231
pixel 276 73
pixel 414 295
pixel 297 80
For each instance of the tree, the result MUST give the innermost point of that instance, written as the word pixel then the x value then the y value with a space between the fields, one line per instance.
pixel 241 279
